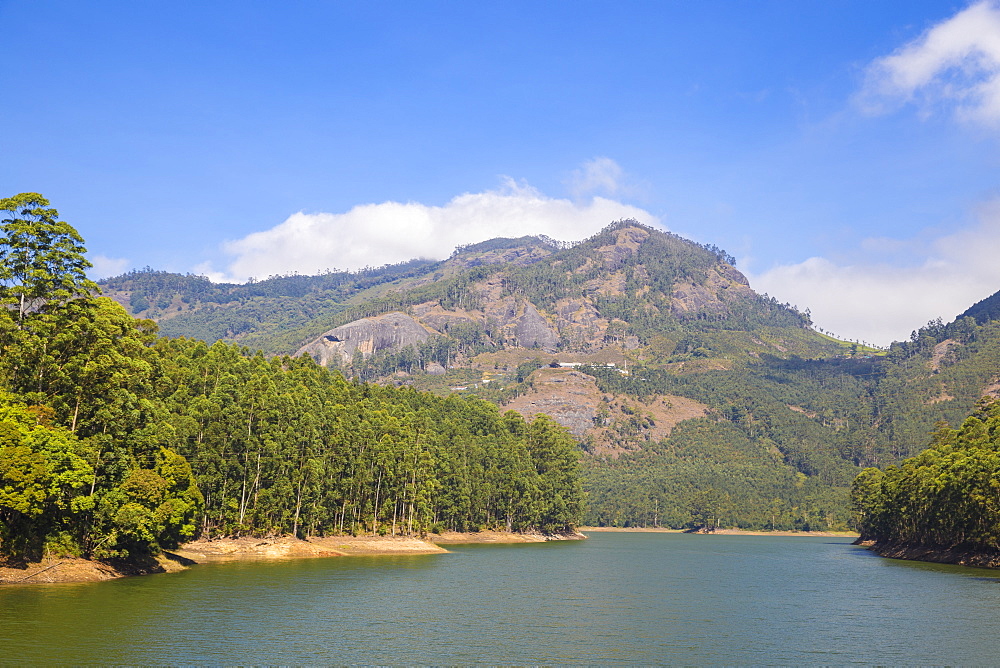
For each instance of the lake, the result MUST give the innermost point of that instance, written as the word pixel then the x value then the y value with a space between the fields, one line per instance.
pixel 618 598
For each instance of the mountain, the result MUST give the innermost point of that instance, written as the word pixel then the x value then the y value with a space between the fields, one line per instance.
pixel 983 311
pixel 627 277
pixel 695 399
pixel 257 313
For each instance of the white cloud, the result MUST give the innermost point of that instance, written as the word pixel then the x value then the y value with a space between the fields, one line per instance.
pixel 879 302
pixel 600 175
pixel 955 63
pixel 205 269
pixel 105 267
pixel 605 177
pixel 377 234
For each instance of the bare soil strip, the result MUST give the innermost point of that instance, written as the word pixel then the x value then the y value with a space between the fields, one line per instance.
pixel 457 538
pixel 70 569
pixel 251 549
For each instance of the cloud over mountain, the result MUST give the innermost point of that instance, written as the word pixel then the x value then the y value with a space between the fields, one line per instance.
pixel 389 232
pixel 879 301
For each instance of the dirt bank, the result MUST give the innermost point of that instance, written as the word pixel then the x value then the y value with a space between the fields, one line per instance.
pixel 726 532
pixel 228 549
pixel 69 569
pixel 201 551
pixel 587 530
pixel 742 532
pixel 937 555
pixel 458 538
pixel 246 549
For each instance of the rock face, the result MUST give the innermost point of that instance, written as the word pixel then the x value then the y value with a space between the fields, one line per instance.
pixel 440 319
pixel 521 256
pixel 533 331
pixel 493 313
pixel 724 284
pixel 366 336
pixel 569 397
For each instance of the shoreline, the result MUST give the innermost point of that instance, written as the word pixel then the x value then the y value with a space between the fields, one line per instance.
pixel 935 555
pixel 722 532
pixel 248 549
pixel 506 537
pixel 75 569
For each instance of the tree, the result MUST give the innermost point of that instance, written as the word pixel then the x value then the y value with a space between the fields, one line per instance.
pixel 151 509
pixel 43 479
pixel 557 462
pixel 41 257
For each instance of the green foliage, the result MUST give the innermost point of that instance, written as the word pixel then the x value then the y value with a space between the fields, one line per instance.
pixel 289 447
pixel 116 446
pixel 41 257
pixel 43 477
pixel 556 461
pixel 947 496
pixel 149 507
pixel 983 311
pixel 828 418
pixel 709 473
pixel 794 415
pixel 260 313
pixel 280 314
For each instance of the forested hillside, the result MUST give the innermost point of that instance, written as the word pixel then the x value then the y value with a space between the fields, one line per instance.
pixel 826 418
pixel 627 286
pixel 116 443
pixel 942 503
pixel 706 402
pixel 195 307
pixel 486 319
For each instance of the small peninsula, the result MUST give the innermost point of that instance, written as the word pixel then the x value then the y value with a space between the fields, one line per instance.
pixel 75 569
pixel 940 506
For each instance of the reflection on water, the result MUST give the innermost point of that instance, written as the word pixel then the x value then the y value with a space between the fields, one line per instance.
pixel 614 599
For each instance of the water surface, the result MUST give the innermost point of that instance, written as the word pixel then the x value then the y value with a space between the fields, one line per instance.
pixel 618 598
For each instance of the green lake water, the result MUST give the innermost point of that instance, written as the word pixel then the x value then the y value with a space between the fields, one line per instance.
pixel 618 598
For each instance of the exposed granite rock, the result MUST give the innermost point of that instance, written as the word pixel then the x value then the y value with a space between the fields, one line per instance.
pixel 612 285
pixel 511 321
pixel 533 330
pixel 367 336
pixel 627 242
pixel 519 256
pixel 723 286
pixel 944 354
pixel 569 397
pixel 580 323
pixel 734 275
pixel 573 399
pixel 434 315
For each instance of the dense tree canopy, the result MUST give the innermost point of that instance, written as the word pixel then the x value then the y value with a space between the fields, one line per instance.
pixel 116 444
pixel 947 496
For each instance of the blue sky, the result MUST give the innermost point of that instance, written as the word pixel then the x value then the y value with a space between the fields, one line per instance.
pixel 846 153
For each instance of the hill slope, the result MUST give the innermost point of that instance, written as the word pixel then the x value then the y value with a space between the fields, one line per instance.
pixel 695 398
